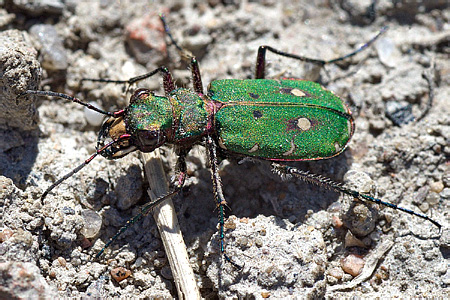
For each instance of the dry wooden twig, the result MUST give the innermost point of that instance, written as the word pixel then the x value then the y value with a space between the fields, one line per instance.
pixel 167 222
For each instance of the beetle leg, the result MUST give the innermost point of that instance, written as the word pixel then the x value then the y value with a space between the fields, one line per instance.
pixel 181 165
pixel 261 56
pixel 196 77
pixel 168 82
pixel 185 54
pixel 134 219
pixel 328 183
pixel 218 195
pixel 181 169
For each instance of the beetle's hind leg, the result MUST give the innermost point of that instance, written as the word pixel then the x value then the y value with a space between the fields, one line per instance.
pixel 262 50
pixel 288 171
pixel 218 195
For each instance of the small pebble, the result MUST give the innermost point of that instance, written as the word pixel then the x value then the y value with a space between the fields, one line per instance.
pixel 375 236
pixel 259 243
pixel 53 54
pixel 92 117
pixel 85 243
pixel 383 273
pixel 335 207
pixel 445 193
pixel 166 273
pixel 336 222
pixel 230 224
pixel 437 186
pixel 243 242
pixel 360 219
pixel 387 52
pixel 62 261
pixel 336 273
pixel 424 207
pixel 352 264
pixel 243 220
pixel 5 234
pixel 92 223
pixel 68 210
pixel 352 241
pixel 120 273
pixel 139 262
pixel 145 39
pixel 433 198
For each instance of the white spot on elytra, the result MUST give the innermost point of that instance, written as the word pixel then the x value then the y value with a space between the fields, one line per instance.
pixel 337 147
pixel 304 124
pixel 298 93
pixel 254 148
pixel 290 151
pixel 221 145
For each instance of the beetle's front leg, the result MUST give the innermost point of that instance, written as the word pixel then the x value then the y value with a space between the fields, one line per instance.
pixel 218 195
pixel 181 169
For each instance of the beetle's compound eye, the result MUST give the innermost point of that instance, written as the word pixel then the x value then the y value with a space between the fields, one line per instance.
pixel 104 132
pixel 140 94
pixel 149 140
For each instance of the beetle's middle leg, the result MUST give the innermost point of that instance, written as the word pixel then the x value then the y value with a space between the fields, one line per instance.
pixel 218 195
pixel 168 82
pixel 167 77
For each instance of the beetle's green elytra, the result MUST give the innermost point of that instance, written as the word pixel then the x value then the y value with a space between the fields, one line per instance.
pixel 280 119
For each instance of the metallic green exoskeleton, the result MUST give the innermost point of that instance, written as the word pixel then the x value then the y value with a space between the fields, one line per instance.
pixel 269 119
pixel 280 119
pixel 277 120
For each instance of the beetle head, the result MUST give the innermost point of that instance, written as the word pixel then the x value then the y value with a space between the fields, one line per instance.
pixel 144 125
pixel 149 120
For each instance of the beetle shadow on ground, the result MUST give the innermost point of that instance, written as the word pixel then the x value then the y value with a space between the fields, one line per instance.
pixel 251 188
pixel 286 198
pixel 141 236
pixel 18 154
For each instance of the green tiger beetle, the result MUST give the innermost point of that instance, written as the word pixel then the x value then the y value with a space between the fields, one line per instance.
pixel 275 120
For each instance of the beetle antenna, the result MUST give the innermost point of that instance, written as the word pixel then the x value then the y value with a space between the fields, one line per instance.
pixel 328 183
pixel 77 169
pixel 64 96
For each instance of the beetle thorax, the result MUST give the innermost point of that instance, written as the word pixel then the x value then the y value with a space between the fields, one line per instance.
pixel 190 116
